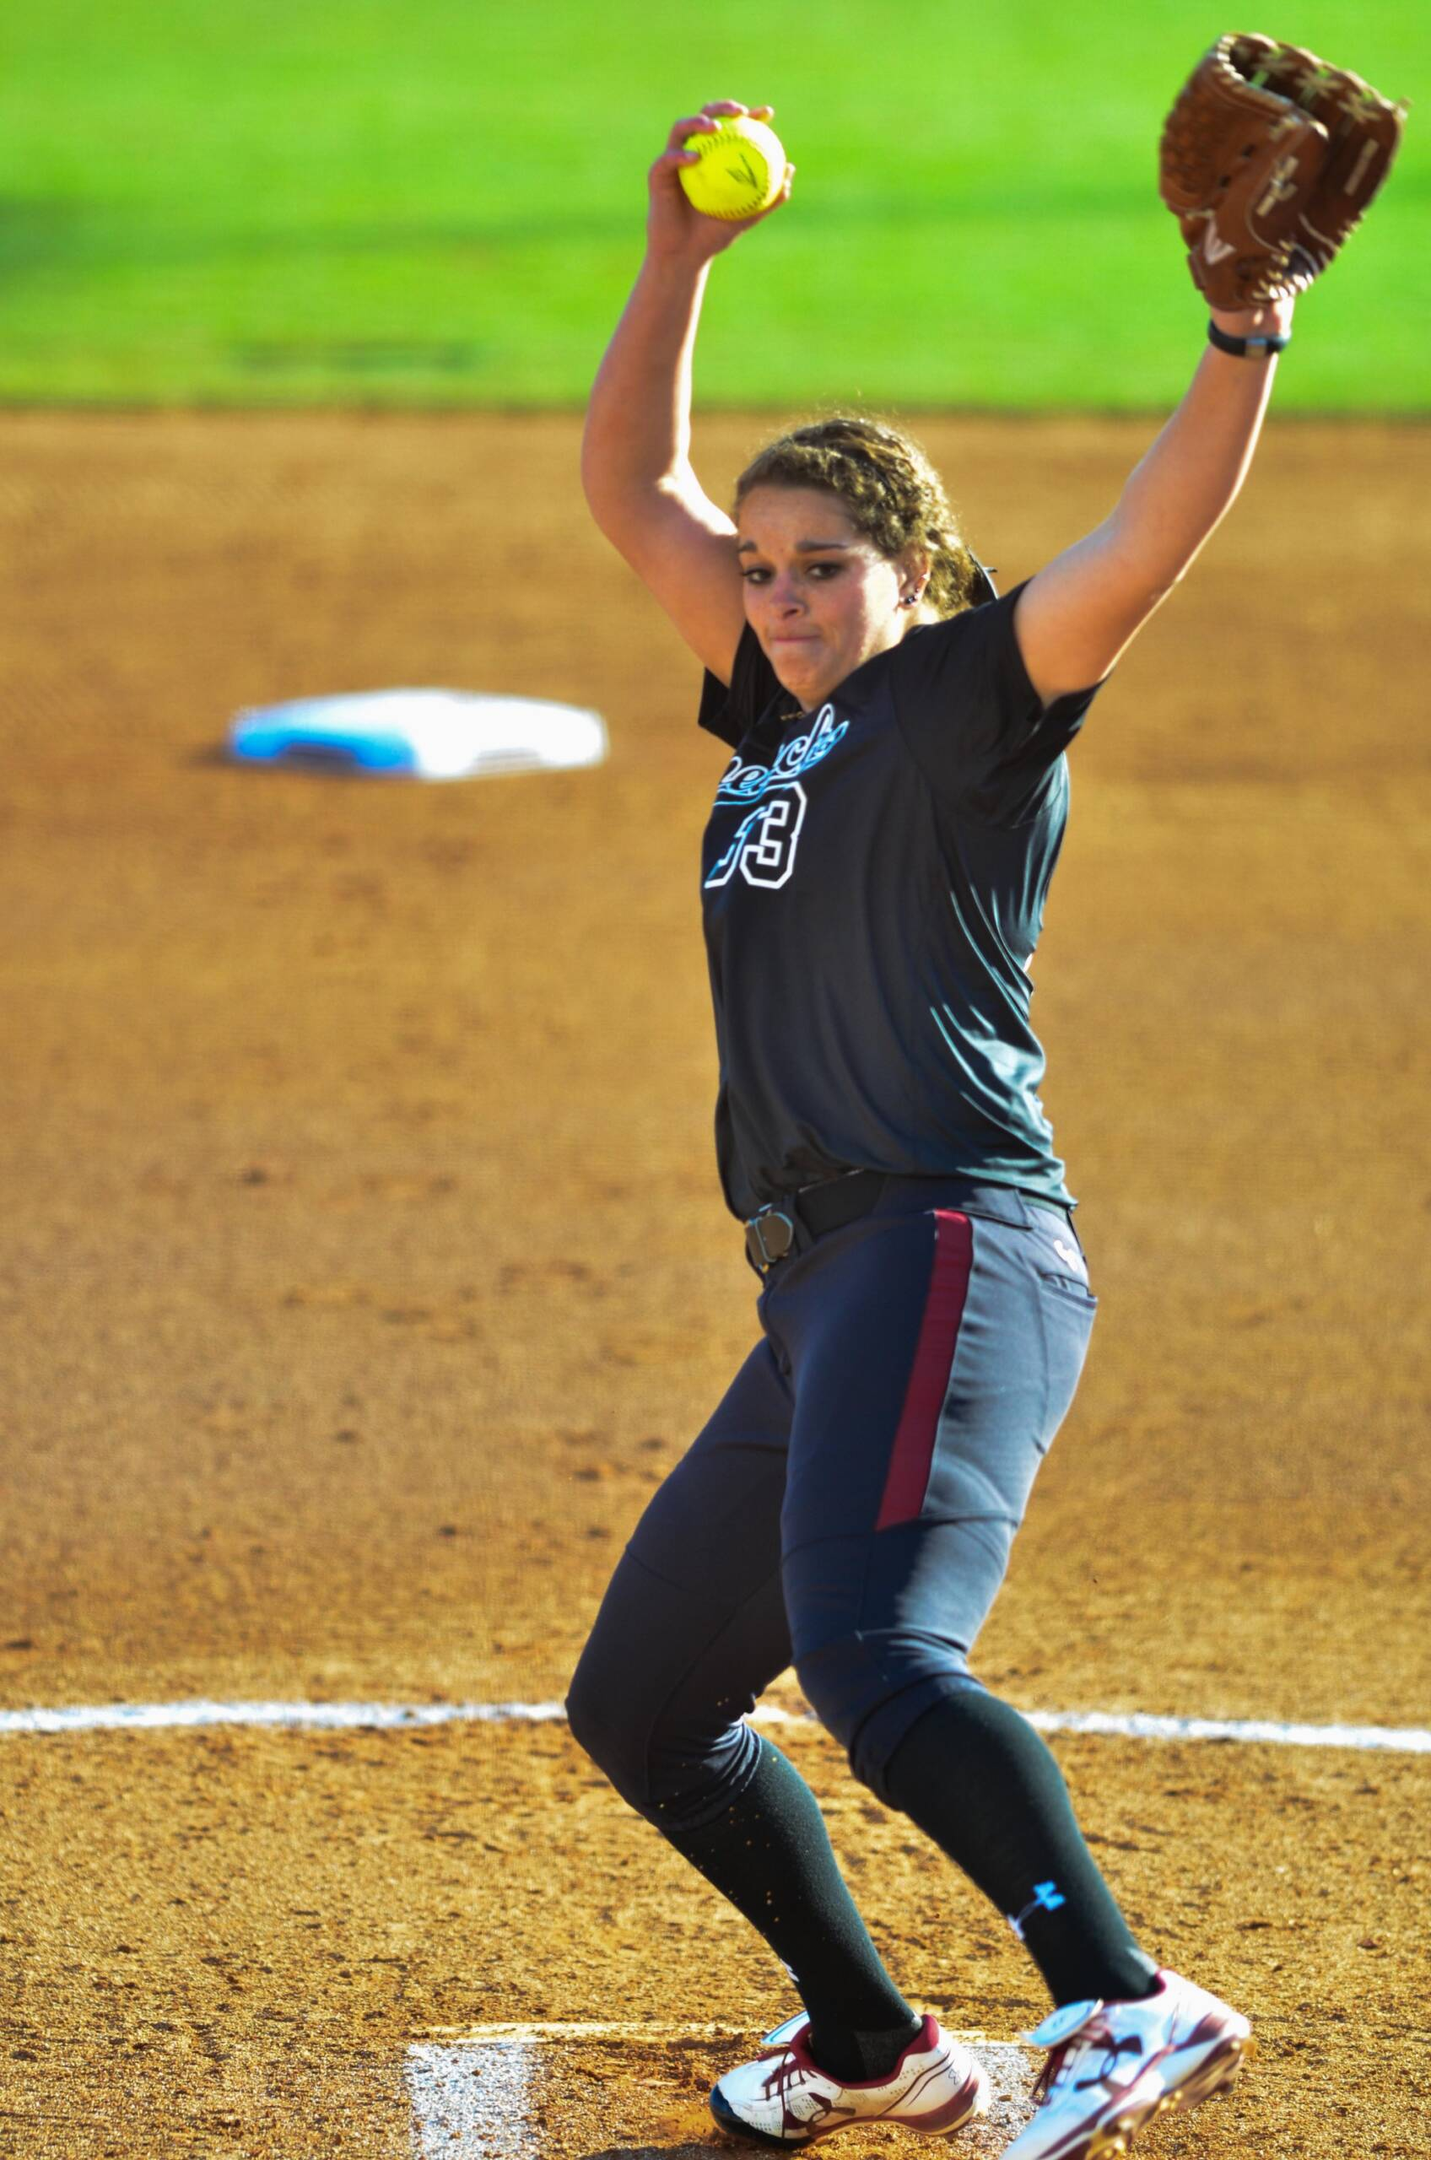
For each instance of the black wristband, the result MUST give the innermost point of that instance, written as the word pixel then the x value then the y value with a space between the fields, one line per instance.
pixel 1246 348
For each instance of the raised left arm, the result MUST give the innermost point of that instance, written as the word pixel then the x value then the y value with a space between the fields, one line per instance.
pixel 1077 616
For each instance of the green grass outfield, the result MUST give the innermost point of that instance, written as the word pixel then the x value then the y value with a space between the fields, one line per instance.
pixel 258 202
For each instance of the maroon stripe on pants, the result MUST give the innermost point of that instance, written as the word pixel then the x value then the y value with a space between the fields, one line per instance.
pixel 909 1464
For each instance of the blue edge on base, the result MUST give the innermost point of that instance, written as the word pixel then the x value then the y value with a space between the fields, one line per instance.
pixel 270 745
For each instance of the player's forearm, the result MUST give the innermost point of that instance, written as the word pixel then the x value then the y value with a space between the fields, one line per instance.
pixel 1181 490
pixel 638 422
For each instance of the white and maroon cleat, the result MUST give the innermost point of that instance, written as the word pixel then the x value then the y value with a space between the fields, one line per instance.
pixel 784 2098
pixel 1113 2066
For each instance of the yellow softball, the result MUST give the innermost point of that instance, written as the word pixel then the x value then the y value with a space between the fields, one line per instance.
pixel 741 172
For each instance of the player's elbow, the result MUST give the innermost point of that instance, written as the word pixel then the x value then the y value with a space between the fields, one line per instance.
pixel 607 474
pixel 602 487
pixel 621 509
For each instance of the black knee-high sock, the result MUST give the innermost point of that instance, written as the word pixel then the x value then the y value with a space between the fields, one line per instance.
pixel 770 1855
pixel 978 1779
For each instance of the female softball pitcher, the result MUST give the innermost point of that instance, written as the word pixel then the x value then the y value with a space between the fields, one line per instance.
pixel 874 874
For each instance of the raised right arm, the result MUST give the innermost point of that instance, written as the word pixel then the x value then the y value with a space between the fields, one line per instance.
pixel 635 453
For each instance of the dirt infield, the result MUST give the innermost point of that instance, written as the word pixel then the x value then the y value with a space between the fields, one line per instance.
pixel 365 1267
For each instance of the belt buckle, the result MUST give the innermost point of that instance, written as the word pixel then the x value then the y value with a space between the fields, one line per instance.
pixel 769 1235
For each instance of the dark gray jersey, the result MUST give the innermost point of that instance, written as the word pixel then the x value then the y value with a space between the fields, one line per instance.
pixel 873 879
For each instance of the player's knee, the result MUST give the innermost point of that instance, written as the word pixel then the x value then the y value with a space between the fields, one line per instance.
pixel 840 1682
pixel 678 1770
pixel 600 1724
pixel 868 1687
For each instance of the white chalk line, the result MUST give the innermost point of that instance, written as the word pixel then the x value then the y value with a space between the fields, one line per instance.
pixel 532 2032
pixel 388 1717
pixel 473 2097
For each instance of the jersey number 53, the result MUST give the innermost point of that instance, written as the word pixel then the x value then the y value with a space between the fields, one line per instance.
pixel 763 847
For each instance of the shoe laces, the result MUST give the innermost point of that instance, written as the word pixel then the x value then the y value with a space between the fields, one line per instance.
pixel 1070 2054
pixel 788 2071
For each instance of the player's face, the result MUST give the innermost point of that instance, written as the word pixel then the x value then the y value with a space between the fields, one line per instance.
pixel 819 595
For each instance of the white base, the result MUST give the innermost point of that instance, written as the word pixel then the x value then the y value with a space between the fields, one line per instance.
pixel 420 734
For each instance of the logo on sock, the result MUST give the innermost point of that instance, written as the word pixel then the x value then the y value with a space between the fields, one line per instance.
pixel 1047 1897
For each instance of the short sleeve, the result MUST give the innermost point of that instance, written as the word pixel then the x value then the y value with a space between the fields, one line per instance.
pixel 974 723
pixel 732 713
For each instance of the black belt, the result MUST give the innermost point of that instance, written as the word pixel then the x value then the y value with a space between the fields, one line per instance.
pixel 770 1233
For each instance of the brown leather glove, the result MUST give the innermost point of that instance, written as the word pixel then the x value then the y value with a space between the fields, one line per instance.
pixel 1268 160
